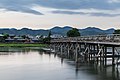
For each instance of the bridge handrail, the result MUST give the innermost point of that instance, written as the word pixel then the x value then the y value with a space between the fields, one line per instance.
pixel 100 38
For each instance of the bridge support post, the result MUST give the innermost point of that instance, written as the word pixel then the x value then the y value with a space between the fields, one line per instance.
pixel 61 50
pixel 54 48
pixel 94 52
pixel 76 54
pixel 100 57
pixel 113 55
pixel 97 52
pixel 105 61
pixel 88 53
pixel 50 47
pixel 103 54
pixel 68 51
pixel 91 53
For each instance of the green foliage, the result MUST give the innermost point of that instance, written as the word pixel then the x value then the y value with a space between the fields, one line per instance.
pixel 49 34
pixel 73 33
pixel 41 36
pixel 47 39
pixel 117 31
pixel 5 35
pixel 24 36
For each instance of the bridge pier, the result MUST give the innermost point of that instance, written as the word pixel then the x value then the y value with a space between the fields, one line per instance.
pixel 61 50
pixel 113 53
pixel 105 54
pixel 68 51
pixel 76 53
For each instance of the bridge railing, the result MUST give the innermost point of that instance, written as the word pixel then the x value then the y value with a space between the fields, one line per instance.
pixel 98 38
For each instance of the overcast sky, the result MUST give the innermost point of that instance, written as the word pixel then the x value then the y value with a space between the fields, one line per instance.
pixel 44 14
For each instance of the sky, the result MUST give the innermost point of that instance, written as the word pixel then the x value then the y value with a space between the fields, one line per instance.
pixel 45 14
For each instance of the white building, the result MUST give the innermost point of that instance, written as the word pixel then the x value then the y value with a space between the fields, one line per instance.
pixel 56 36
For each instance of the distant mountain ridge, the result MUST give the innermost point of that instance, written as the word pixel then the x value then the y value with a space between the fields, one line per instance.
pixel 24 31
pixel 84 32
pixel 95 31
pixel 56 30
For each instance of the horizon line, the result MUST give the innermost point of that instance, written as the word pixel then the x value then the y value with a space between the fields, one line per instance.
pixel 53 27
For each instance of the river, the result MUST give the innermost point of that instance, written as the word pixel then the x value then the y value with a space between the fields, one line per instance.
pixel 32 63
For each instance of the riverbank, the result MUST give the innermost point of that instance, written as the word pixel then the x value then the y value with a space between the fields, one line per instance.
pixel 22 45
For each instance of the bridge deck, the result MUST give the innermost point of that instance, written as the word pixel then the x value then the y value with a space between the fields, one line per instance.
pixel 113 40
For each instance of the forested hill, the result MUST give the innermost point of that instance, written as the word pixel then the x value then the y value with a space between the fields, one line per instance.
pixel 56 30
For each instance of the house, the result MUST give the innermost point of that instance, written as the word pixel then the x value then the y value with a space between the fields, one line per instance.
pixel 9 40
pixel 35 40
pixel 19 39
pixel 1 35
pixel 30 37
pixel 45 36
pixel 56 36
pixel 11 36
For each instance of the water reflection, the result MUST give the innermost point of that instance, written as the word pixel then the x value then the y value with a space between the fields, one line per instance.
pixel 19 50
pixel 99 72
pixel 36 64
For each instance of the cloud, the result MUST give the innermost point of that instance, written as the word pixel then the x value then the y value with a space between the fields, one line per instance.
pixel 114 1
pixel 18 6
pixel 104 14
pixel 99 14
pixel 79 4
pixel 67 12
pixel 26 6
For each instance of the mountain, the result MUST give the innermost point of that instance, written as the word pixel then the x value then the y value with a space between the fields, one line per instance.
pixel 59 30
pixel 95 31
pixel 24 31
pixel 84 32
pixel 56 30
pixel 110 31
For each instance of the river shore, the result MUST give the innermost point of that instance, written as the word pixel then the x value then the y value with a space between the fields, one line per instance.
pixel 22 45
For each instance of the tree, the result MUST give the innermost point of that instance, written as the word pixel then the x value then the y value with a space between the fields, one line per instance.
pixel 73 33
pixel 47 39
pixel 117 31
pixel 5 35
pixel 23 36
pixel 49 36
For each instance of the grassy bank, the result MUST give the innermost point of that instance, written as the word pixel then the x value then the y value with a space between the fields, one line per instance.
pixel 22 45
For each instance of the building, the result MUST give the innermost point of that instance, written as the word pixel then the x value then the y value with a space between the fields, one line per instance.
pixel 56 36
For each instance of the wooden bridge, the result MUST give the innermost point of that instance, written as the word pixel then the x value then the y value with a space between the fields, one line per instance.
pixel 98 48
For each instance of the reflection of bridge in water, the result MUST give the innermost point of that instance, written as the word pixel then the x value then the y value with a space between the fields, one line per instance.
pixel 101 49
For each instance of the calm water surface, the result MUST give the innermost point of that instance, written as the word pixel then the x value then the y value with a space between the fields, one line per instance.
pixel 34 64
